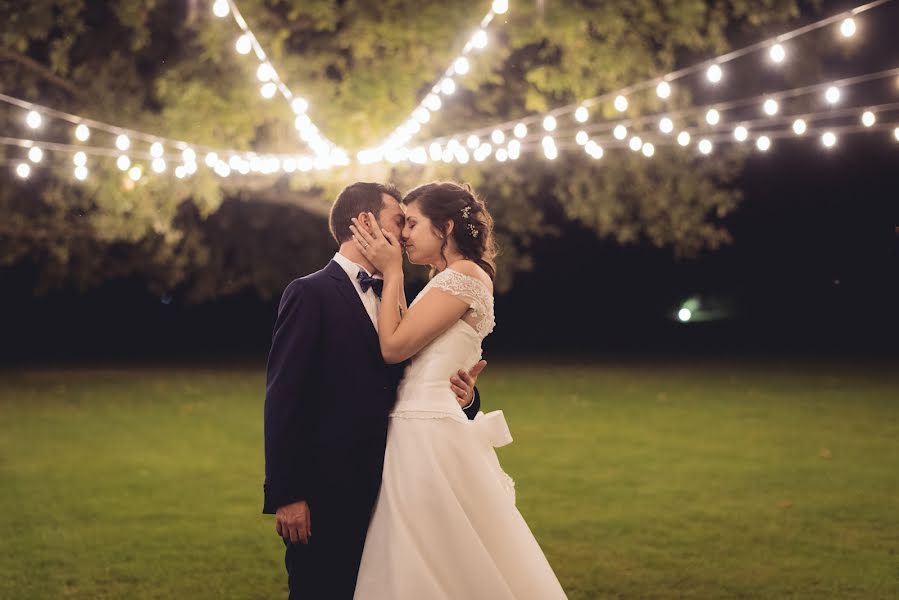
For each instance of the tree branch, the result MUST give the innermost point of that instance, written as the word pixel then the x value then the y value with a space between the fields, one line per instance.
pixel 41 70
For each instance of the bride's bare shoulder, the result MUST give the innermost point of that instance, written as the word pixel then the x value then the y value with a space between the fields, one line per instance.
pixel 472 269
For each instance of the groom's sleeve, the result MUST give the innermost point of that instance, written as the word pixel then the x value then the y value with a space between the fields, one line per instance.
pixel 471 411
pixel 287 401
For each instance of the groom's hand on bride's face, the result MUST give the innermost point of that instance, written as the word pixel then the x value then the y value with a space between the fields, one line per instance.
pixel 293 522
pixel 464 381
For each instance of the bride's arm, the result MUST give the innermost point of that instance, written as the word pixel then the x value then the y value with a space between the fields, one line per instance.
pixel 402 337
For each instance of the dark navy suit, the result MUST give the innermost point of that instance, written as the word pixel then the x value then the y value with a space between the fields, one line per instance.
pixel 328 395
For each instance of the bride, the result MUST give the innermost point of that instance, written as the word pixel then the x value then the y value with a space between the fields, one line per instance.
pixel 445 525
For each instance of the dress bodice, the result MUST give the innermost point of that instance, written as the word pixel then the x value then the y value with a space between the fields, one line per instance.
pixel 425 385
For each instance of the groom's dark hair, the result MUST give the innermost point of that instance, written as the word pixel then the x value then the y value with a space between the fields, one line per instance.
pixel 358 198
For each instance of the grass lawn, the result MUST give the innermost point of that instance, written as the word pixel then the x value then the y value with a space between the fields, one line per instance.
pixel 713 480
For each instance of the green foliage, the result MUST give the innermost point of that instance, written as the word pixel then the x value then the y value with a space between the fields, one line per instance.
pixel 169 67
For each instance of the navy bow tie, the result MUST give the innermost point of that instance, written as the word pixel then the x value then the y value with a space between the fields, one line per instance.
pixel 367 281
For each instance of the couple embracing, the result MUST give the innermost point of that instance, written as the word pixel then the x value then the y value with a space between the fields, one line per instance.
pixel 379 467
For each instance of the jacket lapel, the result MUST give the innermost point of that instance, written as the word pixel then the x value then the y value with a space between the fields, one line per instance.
pixel 354 305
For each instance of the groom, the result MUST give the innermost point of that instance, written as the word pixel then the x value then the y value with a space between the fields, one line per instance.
pixel 328 396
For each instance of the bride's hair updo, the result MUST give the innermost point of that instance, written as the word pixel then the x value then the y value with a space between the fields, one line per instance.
pixel 442 202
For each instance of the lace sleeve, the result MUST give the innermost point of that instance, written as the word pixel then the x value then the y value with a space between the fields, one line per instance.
pixel 472 291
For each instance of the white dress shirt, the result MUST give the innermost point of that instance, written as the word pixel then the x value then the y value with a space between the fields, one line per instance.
pixel 369 299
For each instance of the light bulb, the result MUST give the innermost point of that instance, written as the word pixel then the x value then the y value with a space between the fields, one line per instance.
pixel 156 150
pixel 502 154
pixel 35 154
pixel 581 114
pixel 123 162
pixel 473 142
pixel 648 150
pixel 620 132
pixel 763 143
pixel 777 53
pixel 479 39
pixel 268 90
pixel 741 134
pixel 122 142
pixel 635 143
pixel 80 159
pixel 799 127
pixel 447 86
pixel 847 27
pixel 82 133
pixel 265 72
pixel 514 149
pixel 33 120
pixel 666 125
pixel 714 74
pixel 461 65
pixel 158 165
pixel 500 6
pixel 829 139
pixel 299 105
pixel 581 138
pixel 683 138
pixel 868 118
pixel 80 172
pixel 705 146
pixel 188 155
pixel 832 95
pixel 663 90
pixel 549 148
pixel 712 117
pixel 621 103
pixel 23 170
pixel 771 106
pixel 520 130
pixel 244 44
pixel 549 123
pixel 134 173
pixel 221 9
pixel 432 102
pixel 497 137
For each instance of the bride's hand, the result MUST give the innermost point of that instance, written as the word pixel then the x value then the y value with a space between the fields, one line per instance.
pixel 379 246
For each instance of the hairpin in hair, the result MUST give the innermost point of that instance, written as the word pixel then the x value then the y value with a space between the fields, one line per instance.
pixel 466 212
pixel 473 230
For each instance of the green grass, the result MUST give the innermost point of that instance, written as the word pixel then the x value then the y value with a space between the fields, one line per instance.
pixel 705 481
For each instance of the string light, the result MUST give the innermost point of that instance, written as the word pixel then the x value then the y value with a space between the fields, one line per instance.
pixel 777 53
pixel 763 143
pixel 868 118
pixel 23 170
pixel 220 8
pixel 712 117
pixel 663 90
pixel 549 123
pixel 497 136
pixel 80 173
pixel 741 134
pixel 520 130
pixel 123 162
pixel 80 159
pixel 635 143
pixel 620 132
pixel 771 107
pixel 135 173
pixel 683 138
pixel 705 146
pixel 549 148
pixel 714 74
pixel 581 138
pixel 82 133
pixel 648 150
pixel 581 114
pixel 35 155
pixel 122 142
pixel 829 139
pixel 33 120
pixel 156 150
pixel 832 95
pixel 666 125
pixel 621 103
pixel 847 27
pixel 799 127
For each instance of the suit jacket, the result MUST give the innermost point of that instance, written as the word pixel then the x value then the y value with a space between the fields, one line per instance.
pixel 328 396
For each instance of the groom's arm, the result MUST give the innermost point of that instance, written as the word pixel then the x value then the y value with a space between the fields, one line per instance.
pixel 463 385
pixel 471 411
pixel 287 396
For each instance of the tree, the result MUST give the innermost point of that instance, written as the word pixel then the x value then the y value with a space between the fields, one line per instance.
pixel 168 66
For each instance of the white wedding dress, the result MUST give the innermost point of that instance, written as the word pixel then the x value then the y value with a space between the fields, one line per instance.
pixel 445 525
